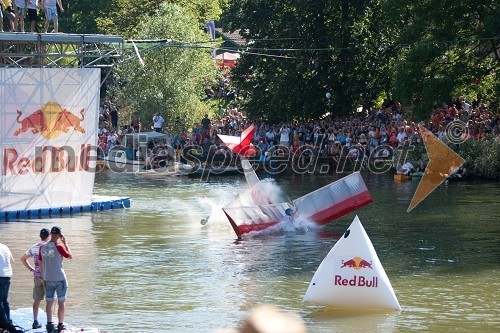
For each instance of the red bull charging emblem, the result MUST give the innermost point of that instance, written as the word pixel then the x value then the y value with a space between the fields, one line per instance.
pixel 358 264
pixel 50 121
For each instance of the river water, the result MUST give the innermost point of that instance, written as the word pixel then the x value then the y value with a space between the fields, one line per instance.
pixel 155 268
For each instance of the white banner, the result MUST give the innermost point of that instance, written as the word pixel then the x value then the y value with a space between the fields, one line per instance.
pixel 48 125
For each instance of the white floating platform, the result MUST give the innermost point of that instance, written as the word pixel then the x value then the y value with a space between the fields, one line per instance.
pixel 24 318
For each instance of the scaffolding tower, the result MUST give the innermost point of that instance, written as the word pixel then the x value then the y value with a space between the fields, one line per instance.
pixel 48 50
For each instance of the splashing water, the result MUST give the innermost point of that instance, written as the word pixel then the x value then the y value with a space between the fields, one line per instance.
pixel 264 192
pixel 215 212
pixel 299 225
pixel 209 204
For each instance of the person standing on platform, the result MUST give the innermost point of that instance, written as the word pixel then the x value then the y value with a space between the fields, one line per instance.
pixel 51 256
pixel 8 12
pixel 49 7
pixel 158 122
pixel 39 288
pixel 6 261
pixel 32 6
pixel 20 11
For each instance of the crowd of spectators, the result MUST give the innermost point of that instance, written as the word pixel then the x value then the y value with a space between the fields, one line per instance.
pixel 108 132
pixel 223 90
pixel 387 125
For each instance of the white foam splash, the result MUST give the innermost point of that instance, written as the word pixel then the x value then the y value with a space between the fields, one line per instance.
pixel 264 192
pixel 297 226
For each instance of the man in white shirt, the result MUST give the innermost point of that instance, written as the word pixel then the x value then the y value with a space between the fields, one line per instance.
pixel 285 136
pixel 158 122
pixel 405 168
pixel 111 137
pixel 6 261
pixel 401 136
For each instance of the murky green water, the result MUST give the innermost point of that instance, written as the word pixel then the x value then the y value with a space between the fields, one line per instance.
pixel 155 268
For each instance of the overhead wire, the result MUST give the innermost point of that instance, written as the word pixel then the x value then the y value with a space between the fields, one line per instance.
pixel 202 44
pixel 272 52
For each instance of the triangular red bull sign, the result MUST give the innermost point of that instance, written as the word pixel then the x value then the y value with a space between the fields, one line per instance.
pixel 351 275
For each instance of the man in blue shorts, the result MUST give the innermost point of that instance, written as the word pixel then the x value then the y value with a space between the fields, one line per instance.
pixel 51 257
pixel 49 7
pixel 20 11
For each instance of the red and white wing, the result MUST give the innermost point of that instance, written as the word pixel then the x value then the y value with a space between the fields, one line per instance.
pixel 334 200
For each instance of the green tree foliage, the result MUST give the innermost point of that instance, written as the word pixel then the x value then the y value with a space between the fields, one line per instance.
pixel 420 52
pixel 172 79
pixel 482 157
pixel 447 48
pixel 81 16
pixel 313 47
pixel 123 17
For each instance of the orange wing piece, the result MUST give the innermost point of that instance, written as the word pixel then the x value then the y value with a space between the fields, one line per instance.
pixel 442 162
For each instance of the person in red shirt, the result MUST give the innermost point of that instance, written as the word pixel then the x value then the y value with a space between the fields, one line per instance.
pixel 393 140
pixel 295 147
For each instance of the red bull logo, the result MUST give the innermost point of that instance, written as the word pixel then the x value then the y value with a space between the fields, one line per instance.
pixel 50 121
pixel 356 263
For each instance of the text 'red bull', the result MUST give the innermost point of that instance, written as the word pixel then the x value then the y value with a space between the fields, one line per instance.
pixel 356 281
pixel 48 159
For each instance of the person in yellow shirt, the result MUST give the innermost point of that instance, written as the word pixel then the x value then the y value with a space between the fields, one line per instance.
pixel 8 12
